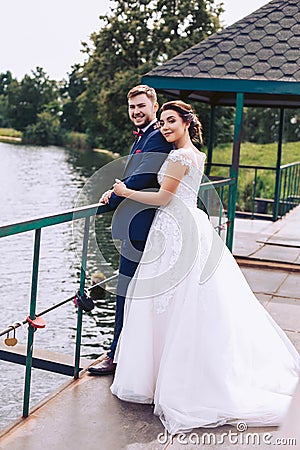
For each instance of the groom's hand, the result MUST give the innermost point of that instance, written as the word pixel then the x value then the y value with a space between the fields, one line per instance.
pixel 106 196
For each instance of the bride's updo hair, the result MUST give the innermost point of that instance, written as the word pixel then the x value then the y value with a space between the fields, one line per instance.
pixel 187 114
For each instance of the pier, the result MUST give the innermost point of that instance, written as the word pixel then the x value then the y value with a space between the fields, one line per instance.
pixel 84 413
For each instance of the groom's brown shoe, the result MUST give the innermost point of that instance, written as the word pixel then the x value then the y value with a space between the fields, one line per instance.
pixel 105 367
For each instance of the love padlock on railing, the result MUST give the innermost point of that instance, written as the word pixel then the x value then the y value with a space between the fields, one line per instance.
pixel 11 342
pixel 37 322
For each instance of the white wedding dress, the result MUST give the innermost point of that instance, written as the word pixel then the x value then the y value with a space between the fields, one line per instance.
pixel 195 341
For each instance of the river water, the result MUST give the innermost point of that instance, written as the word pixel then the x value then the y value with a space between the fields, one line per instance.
pixel 37 181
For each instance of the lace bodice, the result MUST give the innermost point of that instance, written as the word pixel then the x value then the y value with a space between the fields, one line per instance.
pixel 188 189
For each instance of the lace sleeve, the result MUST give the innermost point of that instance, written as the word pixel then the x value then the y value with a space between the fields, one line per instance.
pixel 177 156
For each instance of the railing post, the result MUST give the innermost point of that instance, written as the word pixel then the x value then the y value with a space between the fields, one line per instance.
pixel 211 139
pixel 82 284
pixel 34 283
pixel 221 209
pixel 254 193
pixel 289 187
pixel 234 169
pixel 278 170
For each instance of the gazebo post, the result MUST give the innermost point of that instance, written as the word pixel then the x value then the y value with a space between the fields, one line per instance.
pixel 278 164
pixel 234 169
pixel 210 139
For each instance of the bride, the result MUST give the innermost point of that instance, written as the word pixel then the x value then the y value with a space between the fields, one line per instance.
pixel 195 341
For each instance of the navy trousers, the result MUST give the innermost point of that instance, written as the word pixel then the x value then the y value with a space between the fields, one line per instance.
pixel 131 253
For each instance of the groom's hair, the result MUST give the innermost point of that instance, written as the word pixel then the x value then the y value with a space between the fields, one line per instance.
pixel 143 89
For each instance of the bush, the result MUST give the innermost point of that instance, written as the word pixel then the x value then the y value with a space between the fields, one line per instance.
pixel 73 139
pixel 44 132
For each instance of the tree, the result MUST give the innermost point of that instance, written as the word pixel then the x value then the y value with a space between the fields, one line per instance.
pixel 5 80
pixel 137 35
pixel 29 98
pixel 261 125
pixel 44 132
pixel 71 90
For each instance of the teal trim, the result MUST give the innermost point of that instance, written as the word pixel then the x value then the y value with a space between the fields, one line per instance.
pixel 221 210
pixel 82 285
pixel 31 330
pixel 278 170
pixel 263 87
pixel 211 139
pixel 234 170
pixel 55 219
pixel 289 187
pixel 254 193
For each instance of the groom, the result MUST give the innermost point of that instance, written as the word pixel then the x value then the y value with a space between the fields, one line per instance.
pixel 132 220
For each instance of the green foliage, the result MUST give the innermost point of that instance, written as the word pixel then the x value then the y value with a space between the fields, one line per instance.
pixel 137 35
pixel 4 119
pixel 254 155
pixel 261 125
pixel 70 92
pixel 29 98
pixel 73 139
pixel 44 132
pixel 5 80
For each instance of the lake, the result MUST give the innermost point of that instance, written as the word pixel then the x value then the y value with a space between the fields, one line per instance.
pixel 38 181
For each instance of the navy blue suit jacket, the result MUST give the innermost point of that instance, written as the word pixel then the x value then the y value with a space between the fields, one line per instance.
pixel 132 220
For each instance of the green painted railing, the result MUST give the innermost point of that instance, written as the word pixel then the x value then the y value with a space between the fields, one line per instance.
pixel 286 194
pixel 36 225
pixel 288 190
pixel 222 187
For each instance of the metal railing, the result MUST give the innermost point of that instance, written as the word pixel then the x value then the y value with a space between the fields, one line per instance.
pixel 222 188
pixel 289 188
pixel 285 187
pixel 36 225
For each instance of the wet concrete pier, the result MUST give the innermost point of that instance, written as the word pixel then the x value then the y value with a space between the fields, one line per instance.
pixel 84 414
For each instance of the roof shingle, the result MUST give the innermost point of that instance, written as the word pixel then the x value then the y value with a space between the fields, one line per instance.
pixel 263 46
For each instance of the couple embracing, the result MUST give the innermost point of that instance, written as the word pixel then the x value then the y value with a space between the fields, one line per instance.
pixel 202 349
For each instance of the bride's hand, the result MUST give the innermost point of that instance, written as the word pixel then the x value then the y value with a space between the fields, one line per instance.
pixel 120 188
pixel 106 196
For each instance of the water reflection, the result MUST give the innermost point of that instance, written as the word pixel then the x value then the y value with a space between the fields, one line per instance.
pixel 38 181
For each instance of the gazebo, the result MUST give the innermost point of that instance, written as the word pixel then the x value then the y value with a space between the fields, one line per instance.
pixel 254 62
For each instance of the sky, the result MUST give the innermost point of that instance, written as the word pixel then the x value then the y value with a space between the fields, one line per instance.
pixel 48 34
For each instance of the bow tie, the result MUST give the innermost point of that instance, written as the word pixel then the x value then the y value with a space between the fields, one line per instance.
pixel 138 134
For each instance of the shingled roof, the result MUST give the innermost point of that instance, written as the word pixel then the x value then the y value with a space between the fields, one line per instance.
pixel 258 55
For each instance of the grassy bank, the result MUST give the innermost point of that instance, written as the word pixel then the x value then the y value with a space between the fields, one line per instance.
pixel 75 140
pixel 10 135
pixel 255 155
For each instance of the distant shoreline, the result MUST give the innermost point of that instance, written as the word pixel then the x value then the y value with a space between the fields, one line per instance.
pixel 11 139
pixel 106 152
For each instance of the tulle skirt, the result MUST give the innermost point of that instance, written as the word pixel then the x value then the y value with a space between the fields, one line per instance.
pixel 195 341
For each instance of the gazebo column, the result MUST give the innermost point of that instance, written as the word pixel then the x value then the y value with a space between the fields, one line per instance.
pixel 278 164
pixel 210 145
pixel 234 169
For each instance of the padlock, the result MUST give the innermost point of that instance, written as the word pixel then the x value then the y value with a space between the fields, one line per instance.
pixel 11 342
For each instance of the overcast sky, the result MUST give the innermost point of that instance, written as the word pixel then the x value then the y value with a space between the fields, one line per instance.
pixel 49 33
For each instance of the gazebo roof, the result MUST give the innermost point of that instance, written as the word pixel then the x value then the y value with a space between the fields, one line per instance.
pixel 258 55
